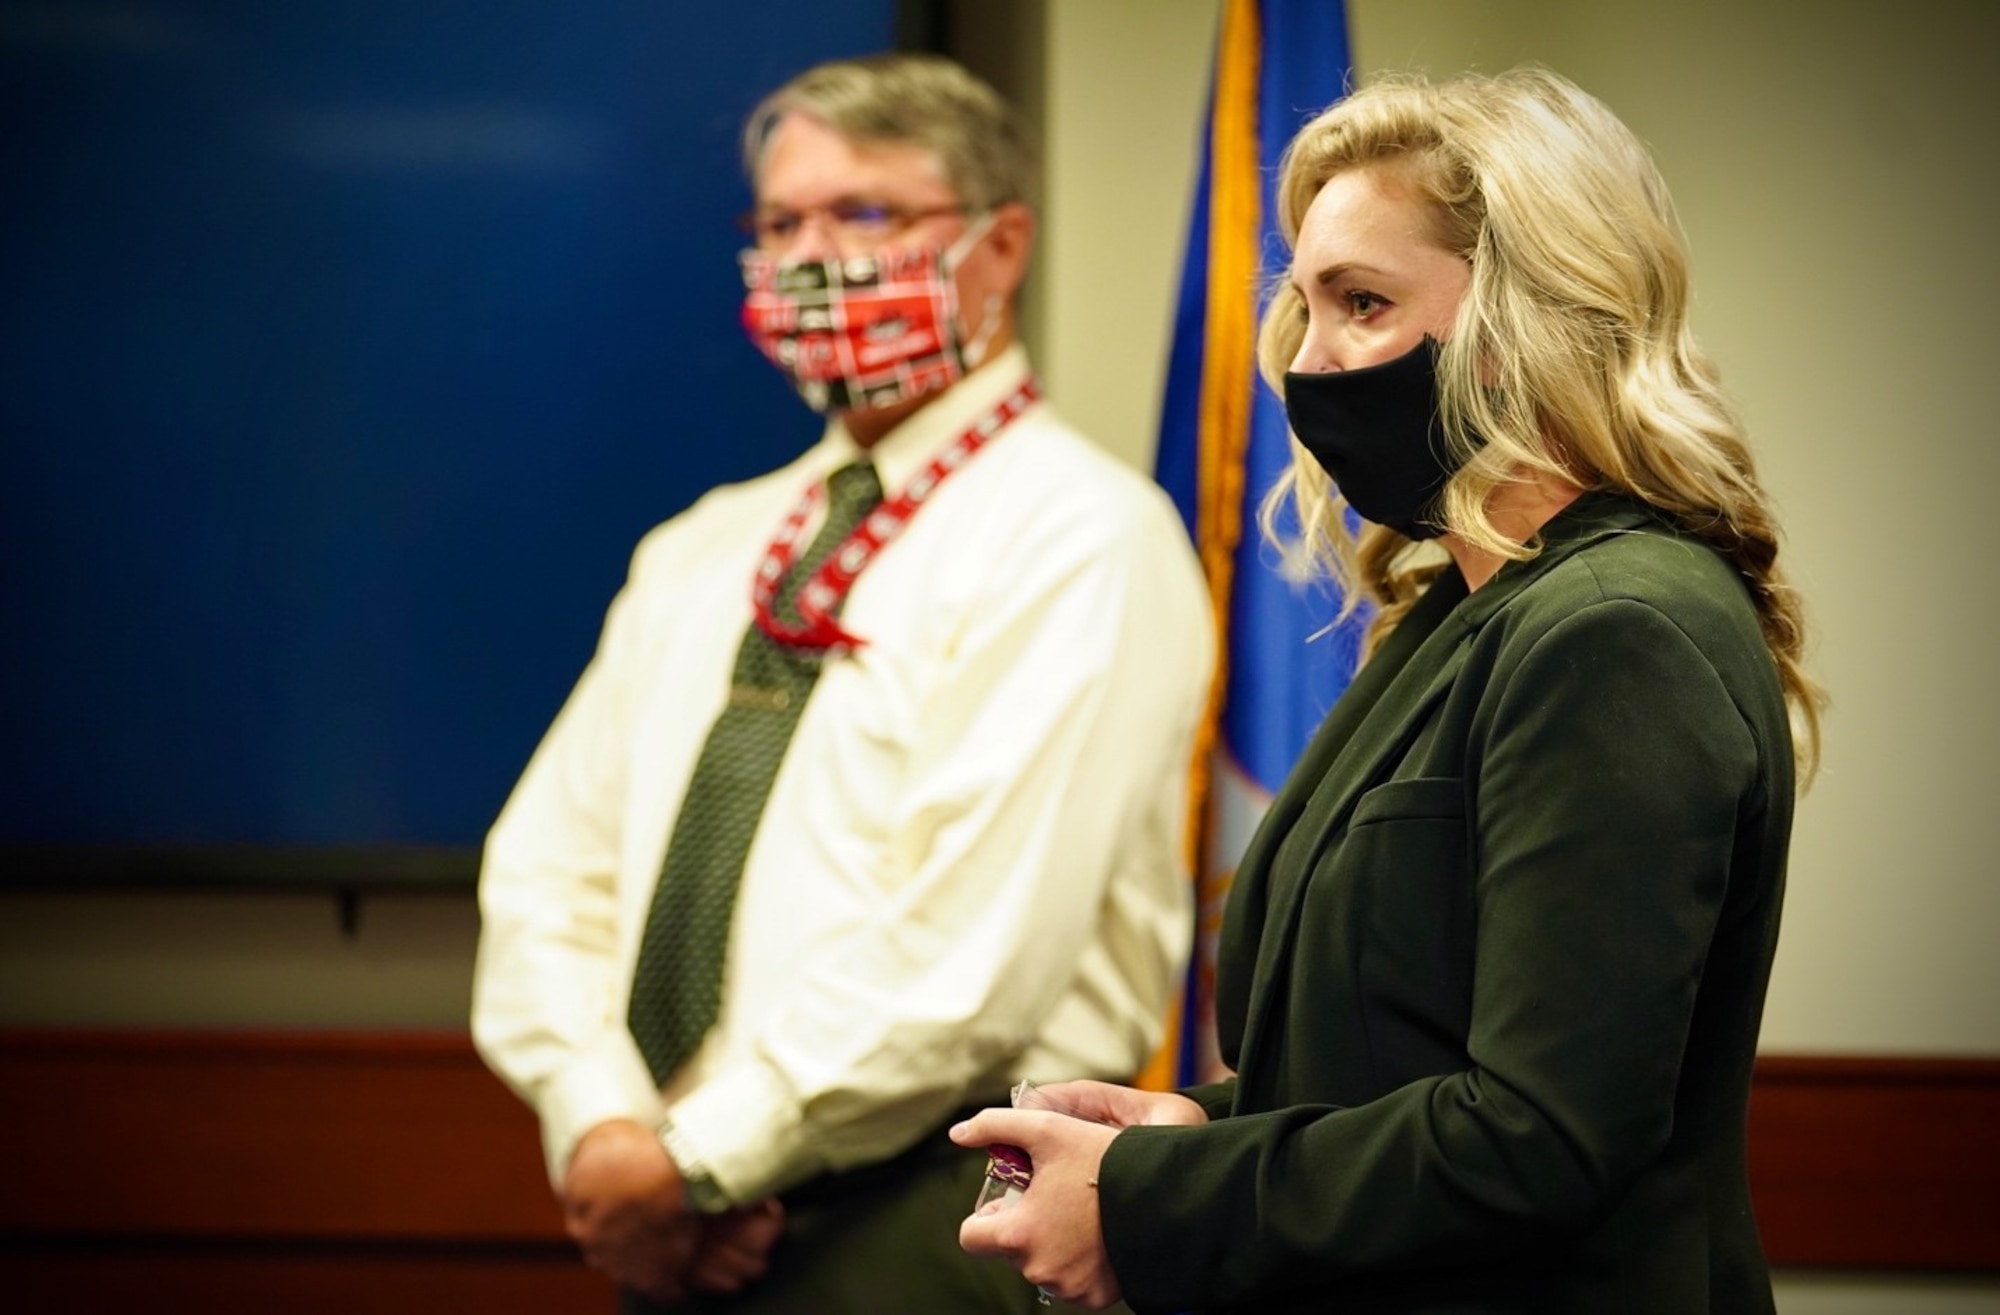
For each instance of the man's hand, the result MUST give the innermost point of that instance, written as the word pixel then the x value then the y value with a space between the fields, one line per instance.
pixel 623 1202
pixel 736 1247
pixel 1053 1233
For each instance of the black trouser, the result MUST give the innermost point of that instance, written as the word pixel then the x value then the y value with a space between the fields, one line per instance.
pixel 881 1240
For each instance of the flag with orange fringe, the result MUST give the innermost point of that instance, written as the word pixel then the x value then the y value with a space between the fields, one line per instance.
pixel 1224 442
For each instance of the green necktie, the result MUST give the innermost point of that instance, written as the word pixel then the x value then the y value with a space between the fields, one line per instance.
pixel 677 984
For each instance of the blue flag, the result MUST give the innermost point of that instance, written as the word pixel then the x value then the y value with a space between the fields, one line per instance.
pixel 1224 442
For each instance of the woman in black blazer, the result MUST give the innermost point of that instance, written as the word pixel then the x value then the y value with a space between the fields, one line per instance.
pixel 1492 968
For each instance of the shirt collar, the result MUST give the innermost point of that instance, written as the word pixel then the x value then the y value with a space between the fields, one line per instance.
pixel 909 447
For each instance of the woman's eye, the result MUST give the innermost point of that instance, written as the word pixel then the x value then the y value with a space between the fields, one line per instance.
pixel 1363 304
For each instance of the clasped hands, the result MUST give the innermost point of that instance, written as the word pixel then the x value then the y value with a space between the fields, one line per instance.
pixel 1054 1234
pixel 624 1204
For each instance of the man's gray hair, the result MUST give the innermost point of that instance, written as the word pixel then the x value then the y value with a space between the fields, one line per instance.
pixel 917 100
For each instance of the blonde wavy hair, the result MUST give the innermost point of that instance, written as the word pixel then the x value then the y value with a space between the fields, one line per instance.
pixel 1570 356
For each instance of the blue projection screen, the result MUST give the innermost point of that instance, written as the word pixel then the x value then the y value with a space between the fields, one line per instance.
pixel 347 347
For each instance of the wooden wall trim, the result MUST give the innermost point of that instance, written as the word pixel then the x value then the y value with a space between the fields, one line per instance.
pixel 300 1135
pixel 404 1139
pixel 207 1277
pixel 1879 1162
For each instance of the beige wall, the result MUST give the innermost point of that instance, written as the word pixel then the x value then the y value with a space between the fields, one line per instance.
pixel 236 960
pixel 1127 84
pixel 1829 166
pixel 1830 161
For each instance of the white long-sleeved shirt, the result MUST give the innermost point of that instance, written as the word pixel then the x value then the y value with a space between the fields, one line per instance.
pixel 970 869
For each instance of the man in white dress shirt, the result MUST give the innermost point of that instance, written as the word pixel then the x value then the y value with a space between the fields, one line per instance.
pixel 968 868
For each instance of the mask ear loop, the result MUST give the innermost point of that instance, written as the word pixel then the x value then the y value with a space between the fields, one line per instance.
pixel 974 351
pixel 955 254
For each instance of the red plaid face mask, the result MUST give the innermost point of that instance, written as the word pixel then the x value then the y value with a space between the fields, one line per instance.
pixel 867 331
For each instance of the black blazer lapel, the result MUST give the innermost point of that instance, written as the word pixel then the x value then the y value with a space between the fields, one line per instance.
pixel 1380 724
pixel 1373 725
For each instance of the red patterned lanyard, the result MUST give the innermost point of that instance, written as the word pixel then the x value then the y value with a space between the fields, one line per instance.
pixel 830 583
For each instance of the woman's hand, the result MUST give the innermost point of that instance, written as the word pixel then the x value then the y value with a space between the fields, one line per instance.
pixel 1114 1106
pixel 1052 1234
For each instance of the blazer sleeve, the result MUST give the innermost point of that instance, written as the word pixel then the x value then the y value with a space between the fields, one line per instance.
pixel 1608 768
pixel 1215 1098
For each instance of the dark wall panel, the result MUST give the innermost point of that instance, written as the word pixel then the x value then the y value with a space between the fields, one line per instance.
pixel 346 348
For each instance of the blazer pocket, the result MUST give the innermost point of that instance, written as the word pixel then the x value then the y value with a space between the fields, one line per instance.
pixel 1410 863
pixel 1423 797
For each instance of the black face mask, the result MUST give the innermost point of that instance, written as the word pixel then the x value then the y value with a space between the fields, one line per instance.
pixel 1375 431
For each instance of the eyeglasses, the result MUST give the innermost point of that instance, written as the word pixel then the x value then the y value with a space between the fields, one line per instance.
pixel 848 222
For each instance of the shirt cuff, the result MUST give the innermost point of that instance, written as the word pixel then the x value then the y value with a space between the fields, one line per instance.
pixel 607 1081
pixel 744 1128
pixel 704 1195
